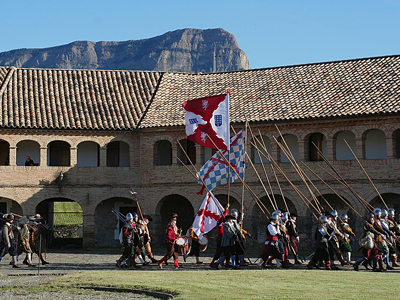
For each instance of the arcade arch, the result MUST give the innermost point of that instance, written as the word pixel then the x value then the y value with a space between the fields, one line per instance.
pixel 28 148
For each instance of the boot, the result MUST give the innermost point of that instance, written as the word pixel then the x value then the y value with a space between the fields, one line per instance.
pixel 328 265
pixel 310 264
pixel 198 260
pixel 296 260
pixel 42 260
pixel 153 260
pixel 394 261
pixel 357 263
pixel 176 264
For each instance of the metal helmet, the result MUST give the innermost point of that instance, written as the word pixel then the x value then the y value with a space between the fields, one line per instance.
pixel 344 216
pixel 135 215
pixel 334 213
pixel 391 212
pixel 285 216
pixel 384 213
pixel 370 215
pixel 323 219
pixel 129 216
pixel 278 212
pixel 274 217
pixel 235 213
pixel 377 212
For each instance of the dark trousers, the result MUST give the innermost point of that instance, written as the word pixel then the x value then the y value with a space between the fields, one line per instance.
pixel 219 249
pixel 271 251
pixel 321 253
pixel 171 251
pixel 195 250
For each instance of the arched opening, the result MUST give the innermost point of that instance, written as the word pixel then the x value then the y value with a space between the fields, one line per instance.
pixel 316 141
pixel 257 156
pixel 208 153
pixel 293 144
pixel 4 153
pixel 175 204
pixel 190 150
pixel 58 153
pixel 375 144
pixel 233 202
pixel 392 201
pixel 396 143
pixel 88 154
pixel 27 149
pixel 260 222
pixel 162 153
pixel 117 154
pixel 64 218
pixel 107 226
pixel 10 206
pixel 341 149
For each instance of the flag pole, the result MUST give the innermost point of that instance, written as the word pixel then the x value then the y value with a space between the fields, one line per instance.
pixel 229 148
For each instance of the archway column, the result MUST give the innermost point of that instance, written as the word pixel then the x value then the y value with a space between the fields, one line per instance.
pixel 390 147
pixel 13 156
pixel 198 154
pixel 103 157
pixel 43 156
pixel 73 156
pixel 275 151
pixel 359 148
pixel 302 152
pixel 175 155
pixel 329 149
pixel 88 230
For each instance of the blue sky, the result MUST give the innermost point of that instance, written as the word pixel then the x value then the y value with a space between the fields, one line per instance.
pixel 272 33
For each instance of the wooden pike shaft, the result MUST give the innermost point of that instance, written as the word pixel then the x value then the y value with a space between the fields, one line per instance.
pixel 255 197
pixel 340 197
pixel 299 193
pixel 366 174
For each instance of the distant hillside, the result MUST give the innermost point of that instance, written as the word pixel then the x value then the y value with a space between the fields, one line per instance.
pixel 185 50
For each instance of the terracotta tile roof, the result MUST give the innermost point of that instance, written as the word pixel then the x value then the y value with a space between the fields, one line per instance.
pixel 125 100
pixel 74 99
pixel 343 88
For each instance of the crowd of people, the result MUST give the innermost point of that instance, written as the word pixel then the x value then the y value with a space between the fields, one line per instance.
pixel 21 236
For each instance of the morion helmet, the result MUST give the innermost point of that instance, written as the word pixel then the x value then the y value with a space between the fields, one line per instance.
pixel 344 216
pixel 285 216
pixel 391 212
pixel 323 219
pixel 129 216
pixel 384 213
pixel 334 213
pixel 235 213
pixel 377 212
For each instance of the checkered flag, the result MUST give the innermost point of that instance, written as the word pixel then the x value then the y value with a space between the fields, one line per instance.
pixel 215 170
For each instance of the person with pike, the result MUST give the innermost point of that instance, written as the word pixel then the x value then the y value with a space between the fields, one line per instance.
pixel 385 222
pixel 38 238
pixel 382 238
pixel 139 247
pixel 8 243
pixel 274 248
pixel 146 239
pixel 284 238
pixel 229 237
pixel 369 247
pixel 321 244
pixel 130 240
pixel 294 238
pixel 23 241
pixel 395 228
pixel 344 244
pixel 172 233
pixel 241 234
pixel 333 241
pixel 220 233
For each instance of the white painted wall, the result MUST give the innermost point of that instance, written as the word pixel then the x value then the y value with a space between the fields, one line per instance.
pixel 375 144
pixel 342 151
pixel 293 144
pixel 27 148
pixel 256 157
pixel 88 154
pixel 123 155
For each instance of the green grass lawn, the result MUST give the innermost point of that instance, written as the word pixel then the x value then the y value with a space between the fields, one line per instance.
pixel 243 284
pixel 67 213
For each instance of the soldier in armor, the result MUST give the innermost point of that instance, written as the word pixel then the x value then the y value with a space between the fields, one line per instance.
pixel 220 232
pixel 344 243
pixel 321 244
pixel 284 237
pixel 172 233
pixel 393 227
pixel 333 241
pixel 294 238
pixel 241 234
pixel 229 237
pixel 130 240
pixel 381 238
pixel 8 243
pixel 386 250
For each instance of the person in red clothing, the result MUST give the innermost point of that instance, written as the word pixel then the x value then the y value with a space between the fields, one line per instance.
pixel 171 235
pixel 220 233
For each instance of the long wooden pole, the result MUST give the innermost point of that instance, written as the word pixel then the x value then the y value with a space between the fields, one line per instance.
pixel 366 174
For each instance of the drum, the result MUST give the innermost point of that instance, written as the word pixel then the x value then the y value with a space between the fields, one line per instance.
pixel 203 243
pixel 183 245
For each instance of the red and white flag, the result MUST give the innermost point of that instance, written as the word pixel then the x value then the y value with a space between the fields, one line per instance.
pixel 208 215
pixel 209 115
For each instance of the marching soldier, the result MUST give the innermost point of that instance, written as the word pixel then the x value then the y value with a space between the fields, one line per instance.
pixel 321 243
pixel 146 239
pixel 8 241
pixel 344 243
pixel 23 242
pixel 130 240
pixel 228 242
pixel 172 233
pixel 333 241
pixel 220 232
pixel 293 236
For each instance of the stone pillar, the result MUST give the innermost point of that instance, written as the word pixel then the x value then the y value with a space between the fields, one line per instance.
pixel 175 155
pixel 103 157
pixel 43 156
pixel 329 149
pixel 88 230
pixel 359 148
pixel 13 156
pixel 73 156
pixel 198 154
pixel 302 152
pixel 390 147
pixel 275 151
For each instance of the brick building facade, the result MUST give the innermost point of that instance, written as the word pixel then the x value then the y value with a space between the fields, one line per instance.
pixel 108 131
